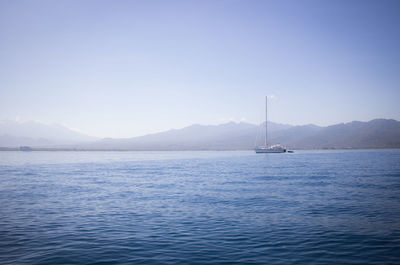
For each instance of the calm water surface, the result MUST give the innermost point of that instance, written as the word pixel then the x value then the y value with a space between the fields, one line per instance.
pixel 310 207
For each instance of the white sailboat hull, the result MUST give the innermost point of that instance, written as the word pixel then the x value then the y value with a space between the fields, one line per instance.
pixel 269 150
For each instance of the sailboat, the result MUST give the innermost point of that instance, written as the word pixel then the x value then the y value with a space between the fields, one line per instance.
pixel 265 148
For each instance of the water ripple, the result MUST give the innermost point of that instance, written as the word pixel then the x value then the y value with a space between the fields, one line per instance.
pixel 200 208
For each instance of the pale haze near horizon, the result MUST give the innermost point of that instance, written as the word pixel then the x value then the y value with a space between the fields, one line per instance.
pixel 127 68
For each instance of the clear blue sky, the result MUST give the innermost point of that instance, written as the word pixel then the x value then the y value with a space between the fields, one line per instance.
pixel 127 68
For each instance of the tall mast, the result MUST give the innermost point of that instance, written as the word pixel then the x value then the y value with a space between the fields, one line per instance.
pixel 266 119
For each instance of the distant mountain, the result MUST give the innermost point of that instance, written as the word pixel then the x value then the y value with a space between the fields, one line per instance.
pixel 32 133
pixel 380 133
pixel 195 137
pixel 292 137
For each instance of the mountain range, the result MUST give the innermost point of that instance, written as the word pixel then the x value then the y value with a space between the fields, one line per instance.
pixel 378 133
pixel 33 133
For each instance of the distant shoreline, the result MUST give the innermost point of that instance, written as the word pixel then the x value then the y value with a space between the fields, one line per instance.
pixel 33 149
pixel 377 133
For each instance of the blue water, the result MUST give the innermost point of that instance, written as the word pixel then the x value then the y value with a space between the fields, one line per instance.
pixel 309 207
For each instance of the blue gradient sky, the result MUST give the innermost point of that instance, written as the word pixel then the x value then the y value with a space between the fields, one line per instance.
pixel 126 68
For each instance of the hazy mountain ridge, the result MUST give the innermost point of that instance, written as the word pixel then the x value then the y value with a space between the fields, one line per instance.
pixel 33 133
pixel 378 133
pixel 194 137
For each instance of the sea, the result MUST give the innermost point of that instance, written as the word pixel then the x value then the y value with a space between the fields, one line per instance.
pixel 236 207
